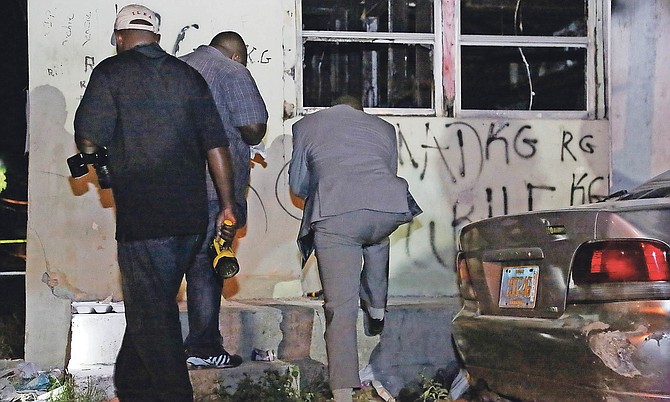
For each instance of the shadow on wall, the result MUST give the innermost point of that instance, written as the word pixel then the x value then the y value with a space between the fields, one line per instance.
pixel 54 144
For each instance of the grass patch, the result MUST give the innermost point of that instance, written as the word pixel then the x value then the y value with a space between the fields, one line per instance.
pixel 66 390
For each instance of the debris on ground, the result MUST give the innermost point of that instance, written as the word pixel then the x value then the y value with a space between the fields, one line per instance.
pixel 24 381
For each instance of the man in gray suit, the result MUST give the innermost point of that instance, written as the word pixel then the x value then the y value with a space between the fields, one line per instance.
pixel 344 165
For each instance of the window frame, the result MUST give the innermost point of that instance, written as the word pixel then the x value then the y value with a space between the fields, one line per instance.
pixel 430 39
pixel 594 43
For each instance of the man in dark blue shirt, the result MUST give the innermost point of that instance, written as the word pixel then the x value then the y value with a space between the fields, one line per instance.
pixel 223 65
pixel 159 123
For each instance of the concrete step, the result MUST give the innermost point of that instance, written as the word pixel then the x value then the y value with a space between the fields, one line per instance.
pixel 416 339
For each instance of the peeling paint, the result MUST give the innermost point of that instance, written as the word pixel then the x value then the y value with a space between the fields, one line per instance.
pixel 657 336
pixel 598 325
pixel 616 351
pixel 290 73
pixel 289 110
pixel 62 288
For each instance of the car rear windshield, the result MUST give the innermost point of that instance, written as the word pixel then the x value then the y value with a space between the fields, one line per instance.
pixel 648 193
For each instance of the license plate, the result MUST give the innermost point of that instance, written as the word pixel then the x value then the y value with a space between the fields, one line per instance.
pixel 518 287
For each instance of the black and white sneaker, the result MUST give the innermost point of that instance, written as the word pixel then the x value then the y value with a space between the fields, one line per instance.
pixel 224 360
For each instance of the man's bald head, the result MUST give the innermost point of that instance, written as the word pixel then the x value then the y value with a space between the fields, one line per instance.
pixel 349 100
pixel 231 45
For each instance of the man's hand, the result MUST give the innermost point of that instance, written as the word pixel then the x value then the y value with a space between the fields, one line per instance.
pixel 226 224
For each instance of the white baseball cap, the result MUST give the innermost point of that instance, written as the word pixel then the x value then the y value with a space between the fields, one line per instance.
pixel 128 15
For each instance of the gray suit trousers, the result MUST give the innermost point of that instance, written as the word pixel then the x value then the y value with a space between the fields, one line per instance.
pixel 352 252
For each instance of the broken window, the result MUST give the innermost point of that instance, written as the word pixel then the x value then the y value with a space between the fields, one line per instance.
pixel 529 55
pixel 380 51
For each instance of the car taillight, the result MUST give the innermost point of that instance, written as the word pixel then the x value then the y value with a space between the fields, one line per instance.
pixel 621 261
pixel 464 281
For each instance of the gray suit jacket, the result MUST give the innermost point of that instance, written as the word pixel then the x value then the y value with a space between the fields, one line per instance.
pixel 345 160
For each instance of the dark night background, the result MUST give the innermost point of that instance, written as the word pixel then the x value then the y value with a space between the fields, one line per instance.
pixel 14 73
pixel 13 208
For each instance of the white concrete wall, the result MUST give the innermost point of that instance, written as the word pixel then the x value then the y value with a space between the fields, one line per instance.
pixel 640 95
pixel 453 171
pixel 71 223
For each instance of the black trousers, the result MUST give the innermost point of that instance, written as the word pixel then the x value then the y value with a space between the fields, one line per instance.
pixel 151 365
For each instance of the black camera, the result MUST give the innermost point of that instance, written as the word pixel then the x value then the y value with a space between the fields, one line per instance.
pixel 78 165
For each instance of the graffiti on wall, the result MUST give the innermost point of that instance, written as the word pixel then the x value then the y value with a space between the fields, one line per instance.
pixel 464 170
pixel 75 29
pixel 483 168
pixel 463 151
pixel 459 170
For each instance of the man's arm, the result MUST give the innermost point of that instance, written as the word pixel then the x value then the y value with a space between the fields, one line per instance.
pixel 247 108
pixel 95 117
pixel 298 172
pixel 393 144
pixel 85 145
pixel 221 170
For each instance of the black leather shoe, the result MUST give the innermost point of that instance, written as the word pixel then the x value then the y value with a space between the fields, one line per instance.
pixel 372 326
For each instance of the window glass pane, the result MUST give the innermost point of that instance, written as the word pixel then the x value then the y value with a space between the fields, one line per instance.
pixel 382 75
pixel 414 16
pixel 496 78
pixel 529 17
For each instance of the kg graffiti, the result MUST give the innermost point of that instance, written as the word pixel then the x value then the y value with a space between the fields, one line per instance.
pixel 463 151
pixel 584 144
pixel 254 55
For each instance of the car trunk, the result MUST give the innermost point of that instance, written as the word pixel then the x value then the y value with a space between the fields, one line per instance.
pixel 515 247
pixel 531 333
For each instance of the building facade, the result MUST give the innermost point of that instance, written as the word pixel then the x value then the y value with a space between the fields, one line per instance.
pixel 499 108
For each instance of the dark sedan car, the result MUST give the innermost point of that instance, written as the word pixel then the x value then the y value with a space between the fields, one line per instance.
pixel 570 304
